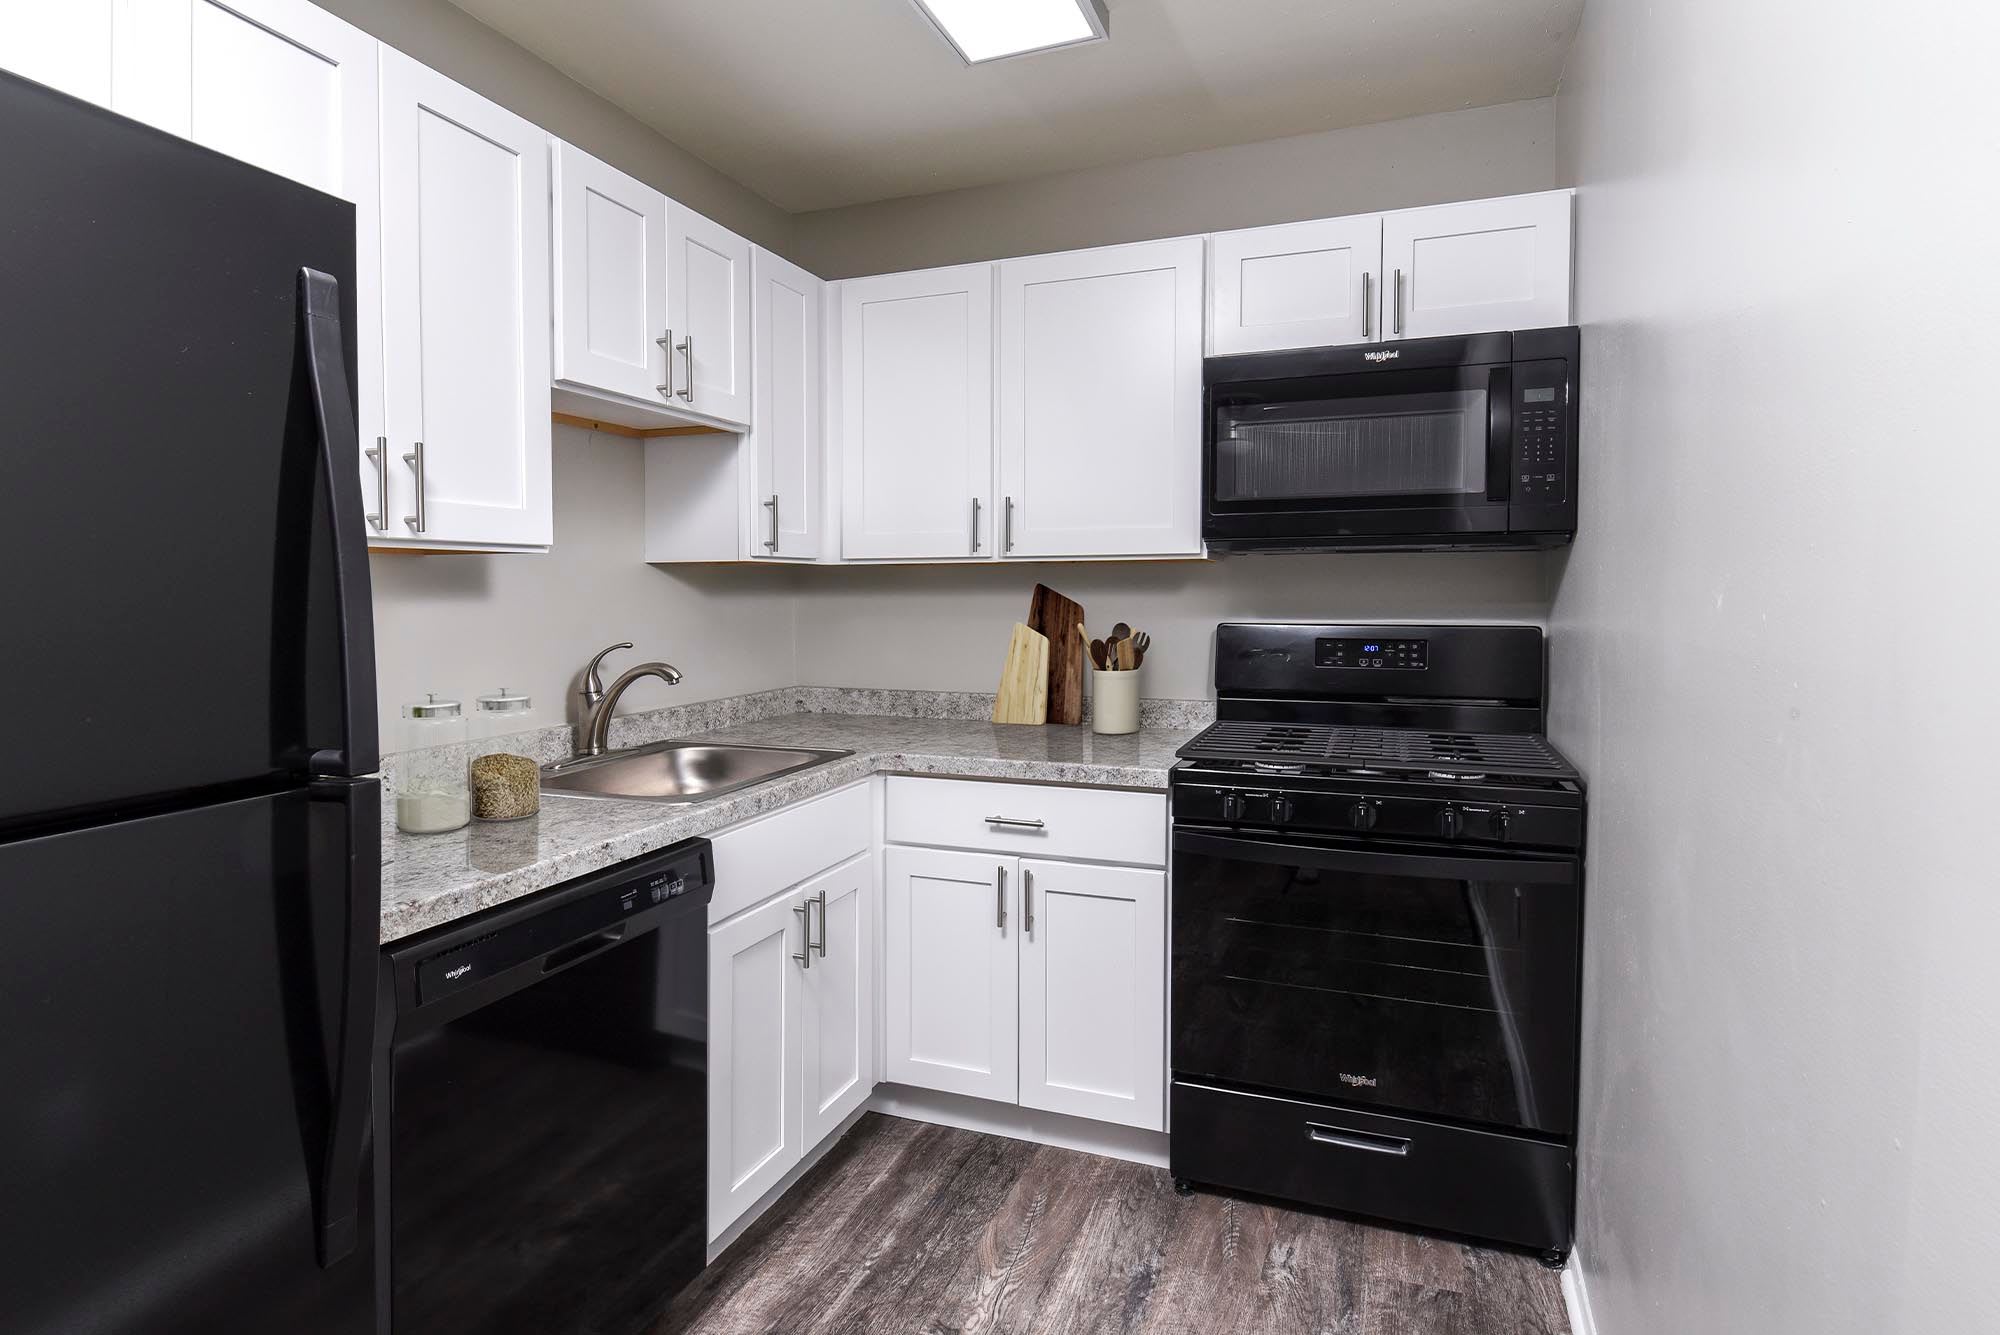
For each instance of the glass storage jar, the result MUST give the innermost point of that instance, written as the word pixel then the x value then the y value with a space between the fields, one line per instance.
pixel 432 794
pixel 506 782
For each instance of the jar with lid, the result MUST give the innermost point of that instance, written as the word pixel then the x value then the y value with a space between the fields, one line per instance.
pixel 506 782
pixel 432 795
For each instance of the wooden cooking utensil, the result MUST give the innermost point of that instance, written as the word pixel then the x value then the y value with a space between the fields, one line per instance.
pixel 1023 696
pixel 1100 654
pixel 1052 614
pixel 1126 660
pixel 1119 632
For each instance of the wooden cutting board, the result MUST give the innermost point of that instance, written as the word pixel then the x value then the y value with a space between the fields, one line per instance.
pixel 1058 618
pixel 1024 679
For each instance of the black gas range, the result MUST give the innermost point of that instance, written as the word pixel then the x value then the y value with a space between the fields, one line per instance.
pixel 1377 922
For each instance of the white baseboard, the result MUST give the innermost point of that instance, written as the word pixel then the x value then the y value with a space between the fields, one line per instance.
pixel 1016 1123
pixel 1576 1298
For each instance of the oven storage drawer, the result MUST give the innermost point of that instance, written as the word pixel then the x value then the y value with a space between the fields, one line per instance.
pixel 1483 1184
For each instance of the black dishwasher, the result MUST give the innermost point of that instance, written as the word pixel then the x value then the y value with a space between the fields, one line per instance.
pixel 542 1096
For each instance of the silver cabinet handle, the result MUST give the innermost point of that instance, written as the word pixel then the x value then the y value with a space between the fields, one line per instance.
pixel 1007 527
pixel 975 525
pixel 415 459
pixel 1356 1140
pixel 687 390
pixel 805 955
pixel 771 543
pixel 666 346
pixel 1028 899
pixel 1017 822
pixel 822 924
pixel 380 455
pixel 1367 304
pixel 1398 305
pixel 1000 898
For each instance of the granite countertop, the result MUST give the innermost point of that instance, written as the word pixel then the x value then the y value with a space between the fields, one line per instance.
pixel 428 880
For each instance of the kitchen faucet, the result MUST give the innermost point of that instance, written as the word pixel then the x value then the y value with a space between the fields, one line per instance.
pixel 599 701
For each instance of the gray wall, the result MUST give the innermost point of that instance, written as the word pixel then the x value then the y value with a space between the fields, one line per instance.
pixel 945 628
pixel 466 625
pixel 1497 150
pixel 454 43
pixel 1774 654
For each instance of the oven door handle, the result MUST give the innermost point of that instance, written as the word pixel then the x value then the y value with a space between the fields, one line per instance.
pixel 1499 433
pixel 1441 866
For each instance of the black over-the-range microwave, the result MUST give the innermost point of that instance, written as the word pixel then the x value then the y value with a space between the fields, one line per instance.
pixel 1465 442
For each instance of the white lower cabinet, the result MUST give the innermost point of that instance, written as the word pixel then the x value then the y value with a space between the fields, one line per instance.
pixel 791 995
pixel 950 974
pixel 1023 980
pixel 1093 991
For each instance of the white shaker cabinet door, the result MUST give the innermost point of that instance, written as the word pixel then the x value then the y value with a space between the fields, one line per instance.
pixel 708 305
pixel 787 437
pixel 1100 402
pixel 755 1132
pixel 1490 264
pixel 70 45
pixel 1296 285
pixel 950 982
pixel 916 414
pixel 610 278
pixel 465 249
pixel 838 1007
pixel 1093 992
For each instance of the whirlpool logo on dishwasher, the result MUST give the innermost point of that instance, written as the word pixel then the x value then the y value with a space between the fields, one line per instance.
pixel 1389 356
pixel 453 975
pixel 1359 1081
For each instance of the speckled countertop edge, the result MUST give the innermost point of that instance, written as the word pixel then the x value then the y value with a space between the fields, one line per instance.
pixel 431 880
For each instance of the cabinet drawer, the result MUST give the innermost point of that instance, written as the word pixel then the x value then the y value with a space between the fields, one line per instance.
pixel 758 859
pixel 1483 1183
pixel 1030 820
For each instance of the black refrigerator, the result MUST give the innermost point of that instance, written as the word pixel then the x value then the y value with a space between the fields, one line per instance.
pixel 189 830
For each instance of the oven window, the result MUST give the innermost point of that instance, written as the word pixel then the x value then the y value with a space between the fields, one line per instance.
pixel 1425 992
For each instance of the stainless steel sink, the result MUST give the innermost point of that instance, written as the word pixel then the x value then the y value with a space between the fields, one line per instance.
pixel 677 771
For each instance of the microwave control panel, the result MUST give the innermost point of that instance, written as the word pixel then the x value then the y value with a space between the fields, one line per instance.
pixel 1541 416
pixel 1408 655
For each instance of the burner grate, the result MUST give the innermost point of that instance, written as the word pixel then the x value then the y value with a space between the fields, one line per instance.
pixel 1492 753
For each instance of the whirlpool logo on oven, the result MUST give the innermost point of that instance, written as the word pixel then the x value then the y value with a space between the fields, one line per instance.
pixel 453 975
pixel 1359 1081
pixel 1388 356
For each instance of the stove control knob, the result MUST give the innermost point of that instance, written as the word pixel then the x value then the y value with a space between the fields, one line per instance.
pixel 1364 814
pixel 1451 822
pixel 1281 810
pixel 1232 806
pixel 1500 825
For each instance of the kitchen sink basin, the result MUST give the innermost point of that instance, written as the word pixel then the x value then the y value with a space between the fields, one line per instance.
pixel 677 771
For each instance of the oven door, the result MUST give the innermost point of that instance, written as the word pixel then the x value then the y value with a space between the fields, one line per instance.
pixel 1357 457
pixel 1409 979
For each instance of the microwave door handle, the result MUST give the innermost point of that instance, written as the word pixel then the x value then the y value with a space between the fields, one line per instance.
pixel 1499 433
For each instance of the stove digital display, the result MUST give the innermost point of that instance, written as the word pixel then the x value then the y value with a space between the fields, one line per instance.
pixel 1406 655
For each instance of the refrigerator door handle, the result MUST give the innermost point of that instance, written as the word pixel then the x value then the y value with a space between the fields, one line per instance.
pixel 349 865
pixel 340 445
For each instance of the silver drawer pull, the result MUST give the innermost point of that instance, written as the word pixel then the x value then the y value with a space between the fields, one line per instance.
pixel 1016 822
pixel 804 956
pixel 415 459
pixel 666 346
pixel 380 456
pixel 1356 1140
pixel 1000 898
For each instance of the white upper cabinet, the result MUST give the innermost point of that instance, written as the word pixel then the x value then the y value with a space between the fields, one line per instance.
pixel 1100 401
pixel 610 280
pixel 67 44
pixel 1093 992
pixel 1485 265
pixel 916 414
pixel 708 308
pixel 950 980
pixel 465 248
pixel 787 437
pixel 1297 285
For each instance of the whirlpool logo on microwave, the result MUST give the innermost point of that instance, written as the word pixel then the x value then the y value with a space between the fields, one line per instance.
pixel 1359 1081
pixel 1388 356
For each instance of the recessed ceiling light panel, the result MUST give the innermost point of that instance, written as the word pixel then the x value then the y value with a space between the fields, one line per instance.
pixel 981 30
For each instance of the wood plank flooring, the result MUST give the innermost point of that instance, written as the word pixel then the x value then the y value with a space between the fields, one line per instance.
pixel 911 1229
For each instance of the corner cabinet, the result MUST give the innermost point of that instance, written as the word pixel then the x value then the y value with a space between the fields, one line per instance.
pixel 1100 402
pixel 916 416
pixel 708 313
pixel 465 251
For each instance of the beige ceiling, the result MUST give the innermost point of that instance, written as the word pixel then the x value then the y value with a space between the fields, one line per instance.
pixel 819 103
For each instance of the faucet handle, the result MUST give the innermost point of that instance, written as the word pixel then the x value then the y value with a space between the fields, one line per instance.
pixel 593 685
